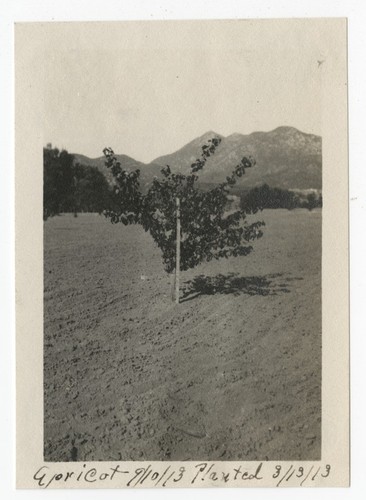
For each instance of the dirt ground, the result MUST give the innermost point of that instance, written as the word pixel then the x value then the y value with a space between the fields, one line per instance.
pixel 231 373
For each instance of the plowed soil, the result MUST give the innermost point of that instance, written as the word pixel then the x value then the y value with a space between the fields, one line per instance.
pixel 231 373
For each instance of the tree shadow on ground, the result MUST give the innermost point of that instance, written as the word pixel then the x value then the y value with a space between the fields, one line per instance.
pixel 233 283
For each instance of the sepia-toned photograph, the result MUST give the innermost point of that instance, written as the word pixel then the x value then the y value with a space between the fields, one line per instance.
pixel 182 232
pixel 182 246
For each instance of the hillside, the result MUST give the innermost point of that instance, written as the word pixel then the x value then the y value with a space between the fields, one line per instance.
pixel 182 159
pixel 147 171
pixel 285 158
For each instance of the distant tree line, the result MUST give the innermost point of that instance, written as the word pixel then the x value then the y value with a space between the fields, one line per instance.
pixel 266 197
pixel 71 187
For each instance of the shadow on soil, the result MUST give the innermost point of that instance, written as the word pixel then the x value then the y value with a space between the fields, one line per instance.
pixel 233 283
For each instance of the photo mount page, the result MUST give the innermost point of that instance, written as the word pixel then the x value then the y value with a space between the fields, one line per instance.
pixel 182 282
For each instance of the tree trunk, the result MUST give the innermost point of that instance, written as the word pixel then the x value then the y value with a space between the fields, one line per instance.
pixel 172 286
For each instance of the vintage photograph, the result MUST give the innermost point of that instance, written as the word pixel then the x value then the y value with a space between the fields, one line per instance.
pixel 182 242
pixel 181 254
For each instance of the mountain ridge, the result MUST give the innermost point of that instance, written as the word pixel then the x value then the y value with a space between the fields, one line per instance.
pixel 285 157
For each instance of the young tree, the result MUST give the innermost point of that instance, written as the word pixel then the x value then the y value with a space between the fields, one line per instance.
pixel 189 225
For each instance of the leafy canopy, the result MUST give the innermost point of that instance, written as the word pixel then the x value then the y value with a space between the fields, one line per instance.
pixel 267 197
pixel 207 230
pixel 57 181
pixel 70 186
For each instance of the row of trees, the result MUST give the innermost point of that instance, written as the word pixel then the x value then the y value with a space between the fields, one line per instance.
pixel 267 197
pixel 71 187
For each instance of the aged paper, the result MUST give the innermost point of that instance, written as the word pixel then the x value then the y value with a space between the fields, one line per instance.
pixel 57 447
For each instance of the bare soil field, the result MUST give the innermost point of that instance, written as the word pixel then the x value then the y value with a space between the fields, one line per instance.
pixel 231 373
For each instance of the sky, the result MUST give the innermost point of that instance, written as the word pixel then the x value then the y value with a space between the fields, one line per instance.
pixel 148 88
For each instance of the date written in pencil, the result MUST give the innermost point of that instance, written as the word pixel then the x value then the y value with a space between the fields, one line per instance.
pixel 190 474
pixel 291 475
pixel 300 474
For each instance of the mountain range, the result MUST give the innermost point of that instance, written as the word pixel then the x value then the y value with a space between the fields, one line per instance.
pixel 285 158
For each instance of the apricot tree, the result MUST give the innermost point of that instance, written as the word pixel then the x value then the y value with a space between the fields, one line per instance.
pixel 189 224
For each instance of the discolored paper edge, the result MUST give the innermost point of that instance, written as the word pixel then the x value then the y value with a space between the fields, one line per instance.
pixel 32 472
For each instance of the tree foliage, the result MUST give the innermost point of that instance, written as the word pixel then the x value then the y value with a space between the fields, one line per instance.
pixel 70 186
pixel 57 181
pixel 267 197
pixel 312 201
pixel 207 230
pixel 91 191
